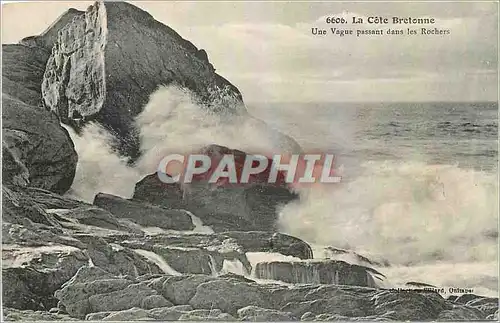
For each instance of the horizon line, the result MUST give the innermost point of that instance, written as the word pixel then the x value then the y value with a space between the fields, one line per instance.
pixel 365 102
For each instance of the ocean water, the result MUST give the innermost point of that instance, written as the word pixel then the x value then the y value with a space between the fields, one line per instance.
pixel 419 180
pixel 419 187
pixel 462 134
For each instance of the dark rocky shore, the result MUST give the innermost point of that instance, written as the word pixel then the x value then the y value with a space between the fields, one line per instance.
pixel 65 259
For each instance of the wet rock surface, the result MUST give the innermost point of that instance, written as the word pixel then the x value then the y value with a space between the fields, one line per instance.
pixel 58 270
pixel 317 272
pixel 144 214
pixel 259 314
pixel 223 206
pixel 36 150
pixel 22 73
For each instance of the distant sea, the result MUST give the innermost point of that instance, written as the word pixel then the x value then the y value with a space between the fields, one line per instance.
pixel 462 134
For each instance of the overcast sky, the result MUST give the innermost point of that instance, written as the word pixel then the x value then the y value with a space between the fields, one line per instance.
pixel 267 49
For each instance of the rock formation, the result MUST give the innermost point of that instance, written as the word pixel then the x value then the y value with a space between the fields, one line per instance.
pixel 144 214
pixel 37 151
pixel 22 73
pixel 172 252
pixel 108 61
pixel 251 206
pixel 317 272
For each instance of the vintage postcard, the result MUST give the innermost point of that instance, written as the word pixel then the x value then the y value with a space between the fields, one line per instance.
pixel 250 161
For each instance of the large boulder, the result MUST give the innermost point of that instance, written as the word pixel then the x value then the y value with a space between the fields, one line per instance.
pixel 94 290
pixel 150 189
pixel 22 73
pixel 189 257
pixel 154 191
pixel 263 241
pixel 223 206
pixel 37 151
pixel 144 214
pixel 316 272
pixel 88 281
pixel 409 305
pixel 179 289
pixel 107 62
pixel 134 295
pixel 212 253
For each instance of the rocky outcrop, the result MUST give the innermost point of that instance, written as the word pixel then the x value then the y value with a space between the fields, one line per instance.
pixel 37 151
pixel 59 271
pixel 31 275
pixel 94 290
pixel 263 241
pixel 107 62
pixel 215 298
pixel 144 214
pixel 22 73
pixel 28 206
pixel 49 237
pixel 176 313
pixel 342 305
pixel 409 306
pixel 317 272
pixel 43 249
pixel 223 206
pixel 229 296
pixel 34 271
